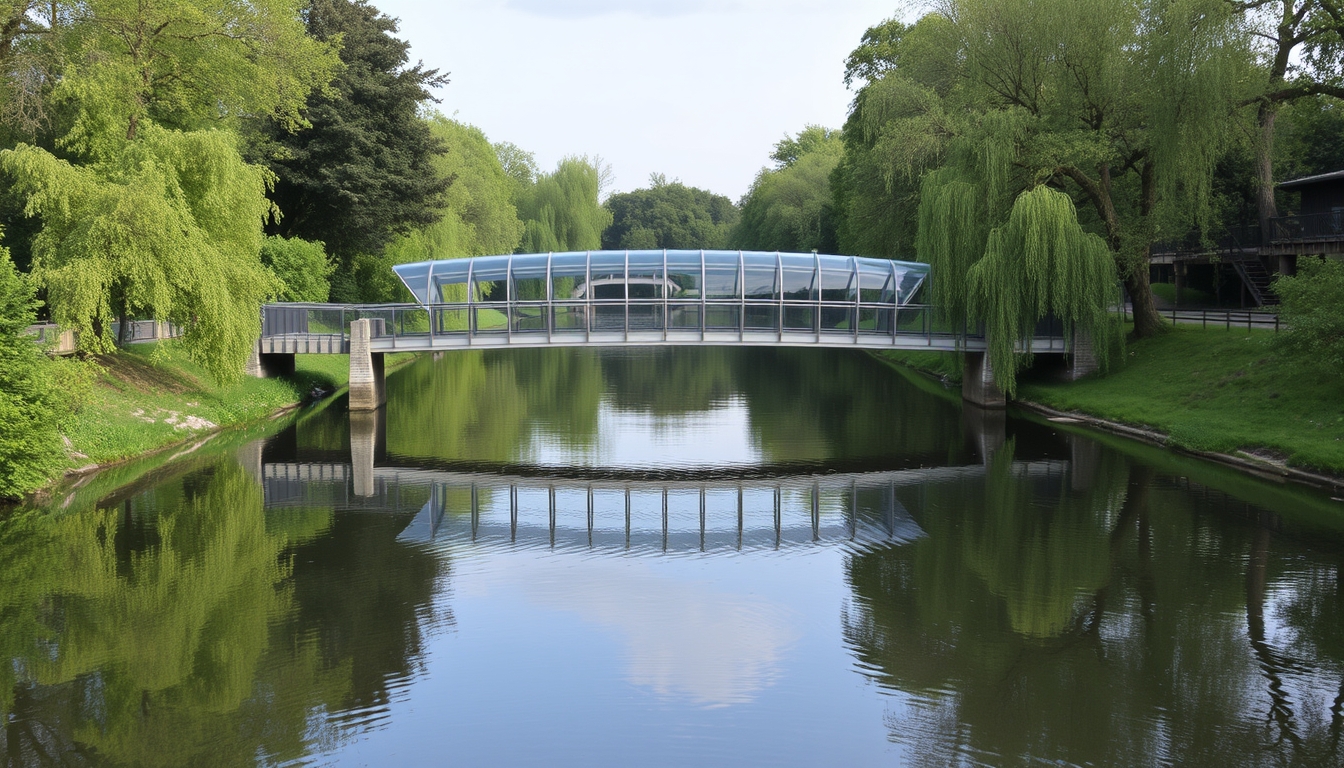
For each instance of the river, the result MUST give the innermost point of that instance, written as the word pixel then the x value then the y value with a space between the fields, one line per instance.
pixel 672 557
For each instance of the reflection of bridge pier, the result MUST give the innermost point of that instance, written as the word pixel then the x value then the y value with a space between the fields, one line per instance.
pixel 368 447
pixel 984 428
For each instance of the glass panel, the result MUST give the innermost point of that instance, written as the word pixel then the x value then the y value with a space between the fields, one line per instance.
pixel 606 278
pixel 723 318
pixel 529 319
pixel 799 318
pixel 800 275
pixel 569 318
pixel 759 260
pixel 414 276
pixel 684 317
pixel 721 283
pixel 837 286
pixel 646 275
pixel 567 274
pixel 875 283
pixel 762 318
pixel 683 272
pixel 646 317
pixel 836 318
pixel 722 259
pixel 529 278
pixel 760 283
pixel 608 318
pixel 489 275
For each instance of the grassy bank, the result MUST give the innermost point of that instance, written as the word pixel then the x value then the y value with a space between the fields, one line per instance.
pixel 148 396
pixel 1224 391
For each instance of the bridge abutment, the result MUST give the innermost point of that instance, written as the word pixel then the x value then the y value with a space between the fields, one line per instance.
pixel 367 383
pixel 268 366
pixel 977 382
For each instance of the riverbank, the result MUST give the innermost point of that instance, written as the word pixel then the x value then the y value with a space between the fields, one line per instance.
pixel 1207 391
pixel 151 397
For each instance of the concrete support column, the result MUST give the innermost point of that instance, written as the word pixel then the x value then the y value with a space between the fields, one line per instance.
pixel 977 382
pixel 367 390
pixel 368 438
pixel 268 366
pixel 1288 265
pixel 1082 357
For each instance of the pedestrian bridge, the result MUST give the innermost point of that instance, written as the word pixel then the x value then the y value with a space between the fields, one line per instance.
pixel 629 298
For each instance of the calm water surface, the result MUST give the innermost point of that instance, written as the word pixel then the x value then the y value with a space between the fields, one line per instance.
pixel 703 557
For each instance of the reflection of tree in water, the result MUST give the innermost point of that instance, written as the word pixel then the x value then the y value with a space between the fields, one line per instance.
pixel 1105 625
pixel 670 381
pixel 483 406
pixel 858 407
pixel 175 627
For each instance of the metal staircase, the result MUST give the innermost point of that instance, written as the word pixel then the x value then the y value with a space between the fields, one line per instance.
pixel 1257 279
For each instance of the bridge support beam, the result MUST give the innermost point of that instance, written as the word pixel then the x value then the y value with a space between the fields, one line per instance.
pixel 977 382
pixel 261 366
pixel 1082 358
pixel 368 438
pixel 367 389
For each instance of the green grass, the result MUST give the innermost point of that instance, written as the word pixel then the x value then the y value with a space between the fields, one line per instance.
pixel 1189 296
pixel 945 365
pixel 1215 390
pixel 149 396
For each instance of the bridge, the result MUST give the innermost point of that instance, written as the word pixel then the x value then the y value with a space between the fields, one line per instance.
pixel 633 298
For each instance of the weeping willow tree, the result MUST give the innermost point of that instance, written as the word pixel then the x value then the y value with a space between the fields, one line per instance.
pixel 561 211
pixel 1041 264
pixel 1125 105
pixel 170 225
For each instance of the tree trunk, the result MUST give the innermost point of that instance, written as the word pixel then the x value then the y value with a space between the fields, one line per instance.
pixel 1266 207
pixel 1147 323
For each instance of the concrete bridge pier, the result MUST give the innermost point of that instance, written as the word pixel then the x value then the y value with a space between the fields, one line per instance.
pixel 368 447
pixel 977 382
pixel 1082 357
pixel 367 383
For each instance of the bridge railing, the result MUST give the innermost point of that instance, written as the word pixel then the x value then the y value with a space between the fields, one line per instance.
pixel 569 318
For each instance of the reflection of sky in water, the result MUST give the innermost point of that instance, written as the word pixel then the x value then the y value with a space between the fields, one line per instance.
pixel 716 437
pixel 692 641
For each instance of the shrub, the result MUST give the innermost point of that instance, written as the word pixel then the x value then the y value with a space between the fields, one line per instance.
pixel 36 393
pixel 301 265
pixel 1311 312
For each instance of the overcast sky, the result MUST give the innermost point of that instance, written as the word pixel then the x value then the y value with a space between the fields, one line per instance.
pixel 699 90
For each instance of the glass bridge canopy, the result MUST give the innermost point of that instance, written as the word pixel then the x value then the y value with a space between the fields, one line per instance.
pixel 664 275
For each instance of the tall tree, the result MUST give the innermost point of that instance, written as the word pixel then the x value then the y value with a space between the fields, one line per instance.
pixel 1122 104
pixel 1302 48
pixel 150 209
pixel 561 211
pixel 789 207
pixel 669 215
pixel 364 172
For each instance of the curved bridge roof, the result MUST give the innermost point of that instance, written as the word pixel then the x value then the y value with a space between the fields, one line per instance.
pixel 665 274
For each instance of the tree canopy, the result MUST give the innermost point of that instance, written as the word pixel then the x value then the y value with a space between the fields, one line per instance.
pixel 669 215
pixel 561 211
pixel 363 173
pixel 790 207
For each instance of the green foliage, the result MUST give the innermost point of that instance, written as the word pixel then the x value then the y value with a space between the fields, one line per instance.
pixel 300 265
pixel 561 211
pixel 1040 264
pixel 36 394
pixel 183 64
pixel 669 215
pixel 1310 309
pixel 789 208
pixel 364 172
pixel 478 217
pixel 170 226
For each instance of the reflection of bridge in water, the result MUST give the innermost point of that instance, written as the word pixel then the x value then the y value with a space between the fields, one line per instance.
pixel 635 515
